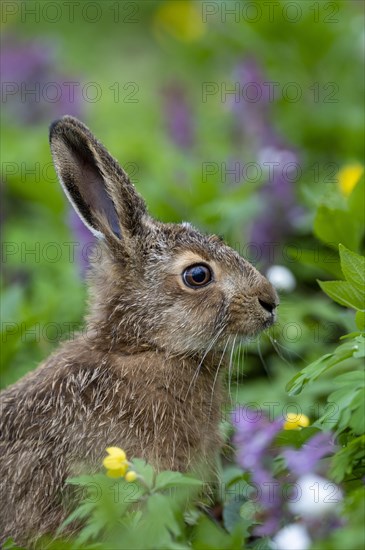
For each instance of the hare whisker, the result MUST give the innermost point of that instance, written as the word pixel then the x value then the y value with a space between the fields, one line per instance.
pixel 230 367
pixel 216 374
pixel 240 360
pixel 196 373
pixel 264 364
pixel 276 345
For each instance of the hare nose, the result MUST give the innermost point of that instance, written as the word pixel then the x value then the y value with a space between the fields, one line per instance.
pixel 269 306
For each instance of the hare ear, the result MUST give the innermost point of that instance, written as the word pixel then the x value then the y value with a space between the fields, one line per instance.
pixel 97 187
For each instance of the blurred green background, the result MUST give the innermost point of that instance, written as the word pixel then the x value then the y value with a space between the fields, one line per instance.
pixel 241 117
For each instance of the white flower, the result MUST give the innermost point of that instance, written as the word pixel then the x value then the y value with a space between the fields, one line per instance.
pixel 292 537
pixel 314 496
pixel 281 278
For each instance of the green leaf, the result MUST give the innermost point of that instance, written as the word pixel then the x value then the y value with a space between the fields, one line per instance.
pixel 169 479
pixel 343 293
pixel 357 418
pixel 326 260
pixel 360 320
pixel 352 533
pixel 359 349
pixel 355 201
pixel 345 460
pixel 210 536
pixel 86 479
pixel 145 470
pixel 83 511
pixel 159 509
pixel 9 544
pixel 263 543
pixel 231 514
pixel 343 399
pixel 232 474
pixel 353 267
pixel 353 379
pixel 310 373
pixel 295 385
pixel 333 226
pixel 295 438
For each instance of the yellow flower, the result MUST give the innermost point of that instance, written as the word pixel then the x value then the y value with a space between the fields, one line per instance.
pixel 117 452
pixel 116 473
pixel 116 462
pixel 348 177
pixel 131 476
pixel 180 18
pixel 296 421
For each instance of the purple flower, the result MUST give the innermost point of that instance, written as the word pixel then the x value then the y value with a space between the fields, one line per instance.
pixel 251 112
pixel 268 488
pixel 253 437
pixel 269 526
pixel 179 116
pixel 305 460
pixel 254 130
pixel 280 213
pixel 33 90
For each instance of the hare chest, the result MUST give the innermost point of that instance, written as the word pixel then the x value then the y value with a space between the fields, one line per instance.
pixel 152 406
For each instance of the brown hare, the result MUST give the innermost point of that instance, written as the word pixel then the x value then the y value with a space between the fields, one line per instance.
pixel 164 301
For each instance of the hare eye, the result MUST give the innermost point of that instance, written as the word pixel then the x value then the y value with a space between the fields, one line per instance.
pixel 197 276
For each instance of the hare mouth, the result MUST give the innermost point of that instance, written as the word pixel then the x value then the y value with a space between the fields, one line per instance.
pixel 247 333
pixel 269 322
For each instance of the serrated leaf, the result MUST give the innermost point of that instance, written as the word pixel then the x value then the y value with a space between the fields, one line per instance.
pixel 353 267
pixel 344 461
pixel 159 509
pixel 343 399
pixel 295 385
pixel 310 373
pixel 343 293
pixel 209 536
pixel 357 418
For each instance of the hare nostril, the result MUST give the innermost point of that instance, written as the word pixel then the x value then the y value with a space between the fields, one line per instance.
pixel 267 305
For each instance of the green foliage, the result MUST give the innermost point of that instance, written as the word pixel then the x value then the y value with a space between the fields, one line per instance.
pixel 346 364
pixel 156 511
pixel 43 300
pixel 349 293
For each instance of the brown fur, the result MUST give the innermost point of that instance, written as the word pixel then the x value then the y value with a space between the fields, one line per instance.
pixel 142 376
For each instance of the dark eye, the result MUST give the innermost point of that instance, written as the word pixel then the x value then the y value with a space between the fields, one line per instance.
pixel 197 275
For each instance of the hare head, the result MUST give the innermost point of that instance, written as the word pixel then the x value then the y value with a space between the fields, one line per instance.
pixel 156 286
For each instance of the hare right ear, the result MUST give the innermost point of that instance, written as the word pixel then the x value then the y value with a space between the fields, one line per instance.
pixel 97 187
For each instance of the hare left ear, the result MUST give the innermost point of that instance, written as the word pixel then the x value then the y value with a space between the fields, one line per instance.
pixel 94 182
